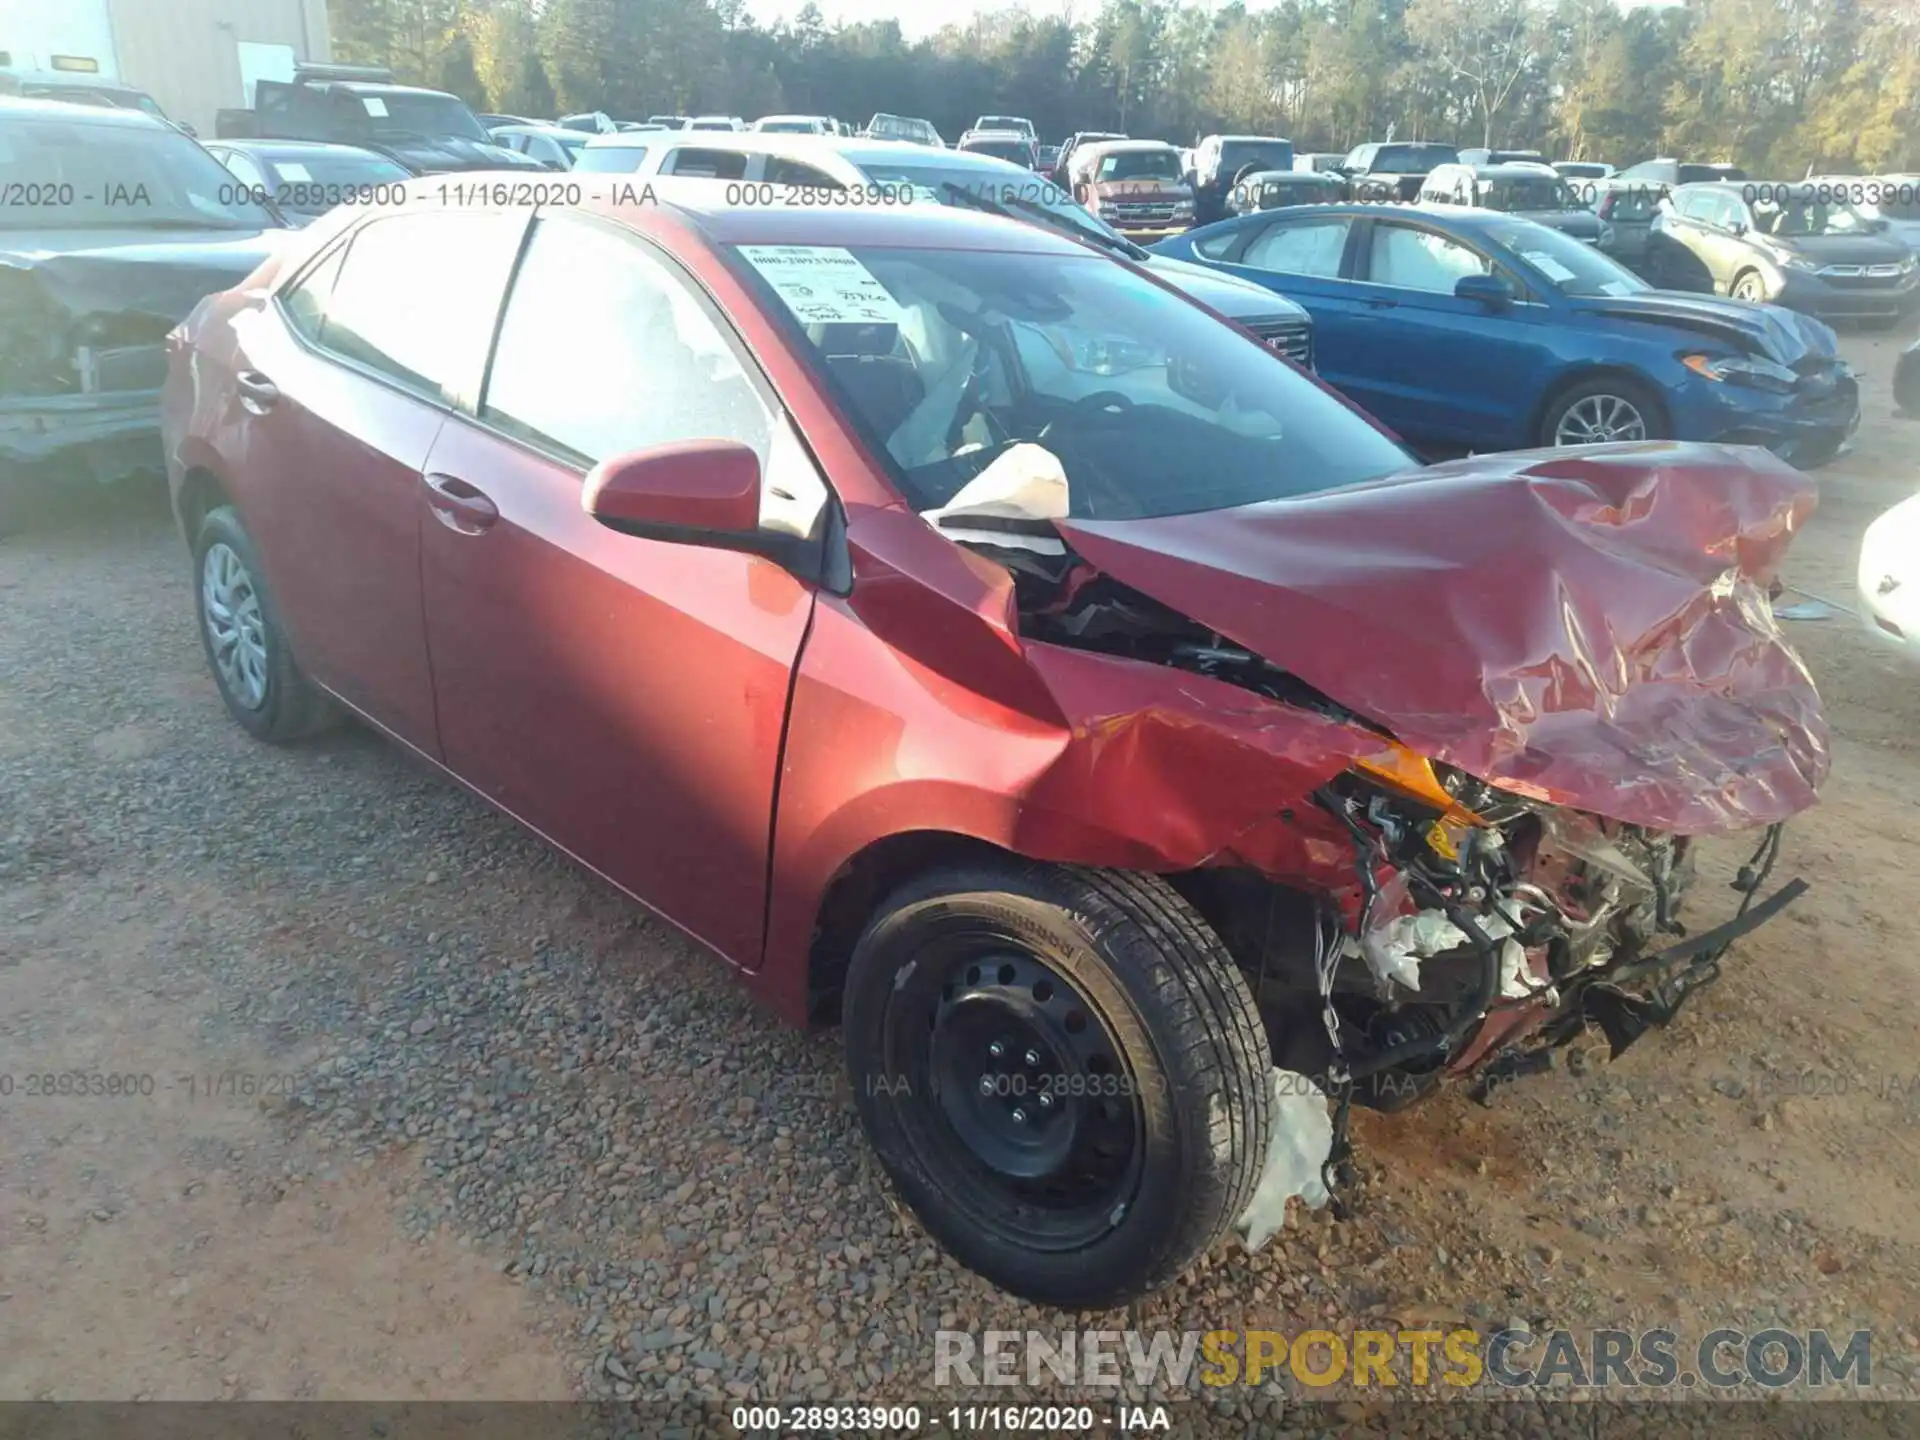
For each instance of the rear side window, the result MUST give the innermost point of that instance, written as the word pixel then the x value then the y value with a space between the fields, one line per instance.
pixel 603 349
pixel 610 159
pixel 416 296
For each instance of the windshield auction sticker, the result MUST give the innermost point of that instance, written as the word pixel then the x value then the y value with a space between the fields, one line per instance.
pixel 824 284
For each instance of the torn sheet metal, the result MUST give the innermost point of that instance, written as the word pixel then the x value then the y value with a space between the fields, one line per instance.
pixel 1590 629
pixel 1298 1144
pixel 83 320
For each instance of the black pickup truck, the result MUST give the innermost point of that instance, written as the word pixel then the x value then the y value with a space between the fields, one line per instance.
pixel 428 131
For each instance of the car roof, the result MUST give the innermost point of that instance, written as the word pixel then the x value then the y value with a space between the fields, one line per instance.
pixel 559 132
pixel 291 149
pixel 75 79
pixel 373 87
pixel 1018 136
pixel 20 107
pixel 802 147
pixel 1734 187
pixel 1251 139
pixel 1504 170
pixel 1127 147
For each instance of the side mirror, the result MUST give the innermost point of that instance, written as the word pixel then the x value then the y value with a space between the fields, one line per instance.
pixel 186 129
pixel 695 492
pixel 1878 225
pixel 1736 227
pixel 1492 291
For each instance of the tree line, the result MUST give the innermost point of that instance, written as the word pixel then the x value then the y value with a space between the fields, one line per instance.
pixel 1776 86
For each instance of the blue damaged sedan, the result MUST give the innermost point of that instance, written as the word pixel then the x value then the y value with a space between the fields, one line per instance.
pixel 1479 330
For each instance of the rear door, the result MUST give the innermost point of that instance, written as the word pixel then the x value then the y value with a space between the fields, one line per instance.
pixel 625 697
pixel 1304 257
pixel 1437 367
pixel 344 380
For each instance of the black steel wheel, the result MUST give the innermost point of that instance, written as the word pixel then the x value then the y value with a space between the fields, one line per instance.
pixel 1062 1072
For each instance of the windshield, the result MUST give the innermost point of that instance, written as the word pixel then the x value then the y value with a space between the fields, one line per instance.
pixel 400 112
pixel 117 175
pixel 787 127
pixel 310 184
pixel 1017 151
pixel 1139 165
pixel 1573 269
pixel 947 359
pixel 1807 217
pixel 1235 155
pixel 1413 159
pixel 893 127
pixel 609 159
pixel 1582 170
pixel 1529 192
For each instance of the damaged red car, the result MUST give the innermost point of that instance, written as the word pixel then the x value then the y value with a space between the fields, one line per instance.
pixel 983 646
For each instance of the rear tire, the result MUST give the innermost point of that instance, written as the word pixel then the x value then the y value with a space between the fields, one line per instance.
pixel 1063 1073
pixel 246 648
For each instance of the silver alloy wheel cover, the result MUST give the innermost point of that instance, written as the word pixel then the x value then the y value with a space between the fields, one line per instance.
pixel 236 630
pixel 1598 420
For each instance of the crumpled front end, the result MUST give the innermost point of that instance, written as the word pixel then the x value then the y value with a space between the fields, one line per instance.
pixel 1493 711
pixel 85 385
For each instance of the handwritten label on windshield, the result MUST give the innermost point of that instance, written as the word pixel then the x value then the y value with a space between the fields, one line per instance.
pixel 824 284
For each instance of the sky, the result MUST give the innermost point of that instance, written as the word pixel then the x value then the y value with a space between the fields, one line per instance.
pixel 924 18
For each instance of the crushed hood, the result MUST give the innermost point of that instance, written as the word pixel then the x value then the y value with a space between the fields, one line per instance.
pixel 1770 330
pixel 1588 628
pixel 155 273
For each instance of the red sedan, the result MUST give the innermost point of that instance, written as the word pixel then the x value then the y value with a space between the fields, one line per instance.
pixel 978 643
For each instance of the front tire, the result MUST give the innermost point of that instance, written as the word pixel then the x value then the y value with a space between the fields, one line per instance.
pixel 1602 411
pixel 246 648
pixel 1062 1072
pixel 1748 285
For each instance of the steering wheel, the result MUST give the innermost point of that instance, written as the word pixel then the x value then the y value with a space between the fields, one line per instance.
pixel 1108 403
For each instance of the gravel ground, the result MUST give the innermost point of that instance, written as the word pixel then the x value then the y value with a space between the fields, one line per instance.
pixel 429 1113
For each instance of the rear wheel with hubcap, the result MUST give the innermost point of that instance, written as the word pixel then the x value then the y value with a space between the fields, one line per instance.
pixel 246 648
pixel 1063 1073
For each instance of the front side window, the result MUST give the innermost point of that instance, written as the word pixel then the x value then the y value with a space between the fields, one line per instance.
pixel 1421 259
pixel 417 294
pixel 945 360
pixel 1308 247
pixel 603 349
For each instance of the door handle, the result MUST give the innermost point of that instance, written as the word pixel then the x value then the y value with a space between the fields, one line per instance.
pixel 257 392
pixel 460 507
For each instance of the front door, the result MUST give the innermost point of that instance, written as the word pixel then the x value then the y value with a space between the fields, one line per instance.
pixel 625 697
pixel 1441 368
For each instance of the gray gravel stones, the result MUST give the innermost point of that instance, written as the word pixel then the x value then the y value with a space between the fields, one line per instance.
pixel 575 1088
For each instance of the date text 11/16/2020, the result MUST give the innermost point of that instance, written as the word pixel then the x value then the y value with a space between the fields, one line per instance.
pixel 145 1085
